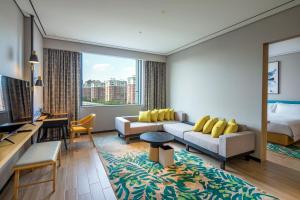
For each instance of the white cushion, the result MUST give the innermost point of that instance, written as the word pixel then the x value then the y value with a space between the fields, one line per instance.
pixel 141 124
pixel 283 108
pixel 203 140
pixel 272 107
pixel 141 127
pixel 177 129
pixel 39 153
pixel 166 122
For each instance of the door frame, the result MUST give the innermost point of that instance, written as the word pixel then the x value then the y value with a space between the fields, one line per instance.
pixel 264 114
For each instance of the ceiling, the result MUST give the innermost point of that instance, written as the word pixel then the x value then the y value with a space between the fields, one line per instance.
pixel 153 26
pixel 284 47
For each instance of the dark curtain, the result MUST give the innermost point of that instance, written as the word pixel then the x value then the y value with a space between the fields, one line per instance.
pixel 154 85
pixel 62 81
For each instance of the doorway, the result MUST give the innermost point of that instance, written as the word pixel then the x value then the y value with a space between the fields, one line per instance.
pixel 281 103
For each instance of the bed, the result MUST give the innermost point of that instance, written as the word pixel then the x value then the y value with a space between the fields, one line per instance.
pixel 283 122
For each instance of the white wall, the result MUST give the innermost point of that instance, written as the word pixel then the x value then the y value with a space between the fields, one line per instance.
pixel 88 48
pixel 14 40
pixel 223 76
pixel 11 40
pixel 38 68
pixel 105 114
pixel 289 81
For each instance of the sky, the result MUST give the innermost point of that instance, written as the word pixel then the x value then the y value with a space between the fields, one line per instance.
pixel 102 67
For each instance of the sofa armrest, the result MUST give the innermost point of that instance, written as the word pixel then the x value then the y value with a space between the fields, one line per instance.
pixel 122 125
pixel 180 116
pixel 131 118
pixel 236 143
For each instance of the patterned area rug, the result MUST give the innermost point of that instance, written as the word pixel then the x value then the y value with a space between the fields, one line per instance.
pixel 134 176
pixel 291 150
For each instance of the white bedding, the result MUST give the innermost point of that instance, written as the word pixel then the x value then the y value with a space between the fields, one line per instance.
pixel 285 124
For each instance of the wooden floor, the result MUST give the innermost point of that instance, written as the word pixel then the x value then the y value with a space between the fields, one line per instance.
pixel 284 160
pixel 82 176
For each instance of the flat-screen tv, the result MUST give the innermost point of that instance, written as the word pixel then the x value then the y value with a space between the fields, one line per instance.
pixel 15 103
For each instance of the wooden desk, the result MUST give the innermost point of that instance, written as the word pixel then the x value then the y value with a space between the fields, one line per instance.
pixel 7 149
pixel 56 121
pixel 10 153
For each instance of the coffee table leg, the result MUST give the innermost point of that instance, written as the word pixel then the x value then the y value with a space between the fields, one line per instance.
pixel 153 153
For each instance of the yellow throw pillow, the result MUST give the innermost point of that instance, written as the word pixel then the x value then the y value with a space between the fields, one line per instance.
pixel 209 125
pixel 218 128
pixel 200 123
pixel 232 121
pixel 161 114
pixel 154 115
pixel 145 116
pixel 167 114
pixel 172 113
pixel 231 128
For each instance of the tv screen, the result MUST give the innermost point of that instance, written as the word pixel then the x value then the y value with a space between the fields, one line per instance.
pixel 15 102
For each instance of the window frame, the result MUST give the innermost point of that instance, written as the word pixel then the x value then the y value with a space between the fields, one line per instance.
pixel 138 88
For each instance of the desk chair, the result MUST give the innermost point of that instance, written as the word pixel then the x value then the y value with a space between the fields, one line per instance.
pixel 84 125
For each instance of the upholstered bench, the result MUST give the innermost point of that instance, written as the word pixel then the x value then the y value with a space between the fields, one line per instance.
pixel 37 156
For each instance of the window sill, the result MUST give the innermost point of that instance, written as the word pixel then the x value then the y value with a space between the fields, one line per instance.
pixel 124 105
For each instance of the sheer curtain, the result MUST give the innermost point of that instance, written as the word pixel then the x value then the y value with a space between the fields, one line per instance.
pixel 154 85
pixel 62 81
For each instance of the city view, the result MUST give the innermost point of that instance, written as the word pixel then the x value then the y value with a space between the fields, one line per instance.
pixel 108 80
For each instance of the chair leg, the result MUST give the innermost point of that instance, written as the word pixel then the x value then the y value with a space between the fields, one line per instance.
pixel 71 137
pixel 16 185
pixel 54 175
pixel 91 138
pixel 59 157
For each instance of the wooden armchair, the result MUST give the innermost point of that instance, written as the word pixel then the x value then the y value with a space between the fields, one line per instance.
pixel 84 125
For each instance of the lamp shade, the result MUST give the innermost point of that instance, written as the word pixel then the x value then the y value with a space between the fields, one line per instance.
pixel 33 58
pixel 39 81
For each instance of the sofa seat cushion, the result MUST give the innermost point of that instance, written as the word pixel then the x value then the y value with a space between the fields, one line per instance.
pixel 203 140
pixel 177 129
pixel 167 122
pixel 141 127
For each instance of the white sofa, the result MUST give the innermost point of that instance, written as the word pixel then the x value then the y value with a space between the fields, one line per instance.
pixel 222 148
pixel 128 126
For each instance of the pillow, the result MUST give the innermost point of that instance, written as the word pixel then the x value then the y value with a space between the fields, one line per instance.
pixel 167 114
pixel 218 128
pixel 209 125
pixel 231 127
pixel 161 114
pixel 154 115
pixel 283 108
pixel 232 121
pixel 172 113
pixel 200 123
pixel 145 116
pixel 272 107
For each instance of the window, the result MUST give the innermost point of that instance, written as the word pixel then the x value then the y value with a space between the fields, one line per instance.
pixel 108 80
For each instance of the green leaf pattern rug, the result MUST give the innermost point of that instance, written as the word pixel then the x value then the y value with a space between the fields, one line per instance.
pixel 134 176
pixel 292 151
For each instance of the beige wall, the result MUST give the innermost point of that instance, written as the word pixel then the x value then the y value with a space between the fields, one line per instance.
pixel 289 81
pixel 11 40
pixel 223 76
pixel 105 114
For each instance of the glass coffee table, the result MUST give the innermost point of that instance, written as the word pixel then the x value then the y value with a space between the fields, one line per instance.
pixel 156 139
